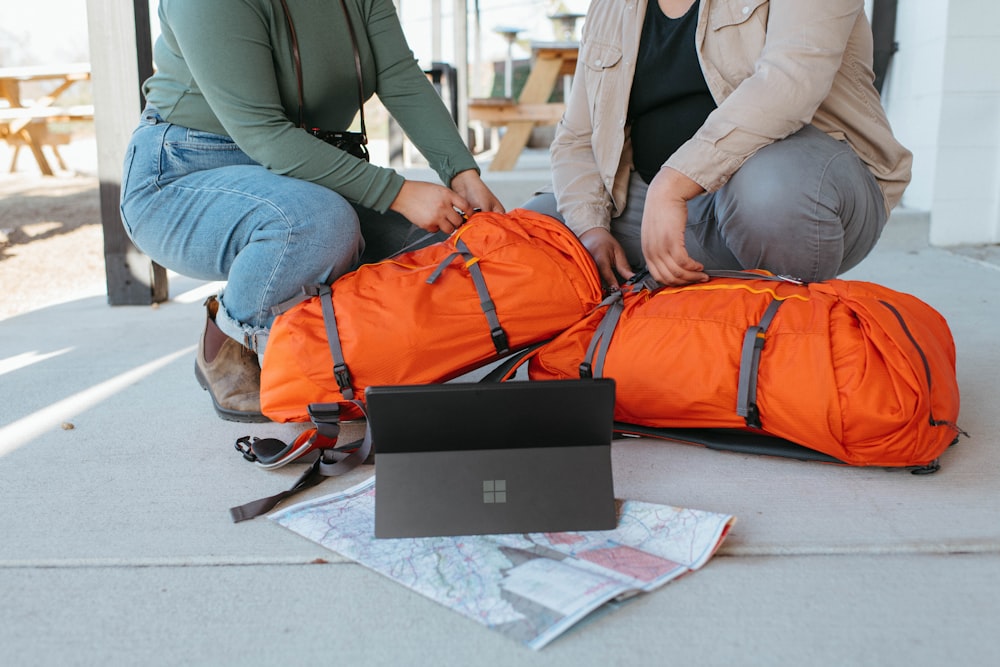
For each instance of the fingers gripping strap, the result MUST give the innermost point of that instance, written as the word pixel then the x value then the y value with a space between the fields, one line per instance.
pixel 644 281
pixel 597 350
pixel 497 333
pixel 340 371
pixel 753 343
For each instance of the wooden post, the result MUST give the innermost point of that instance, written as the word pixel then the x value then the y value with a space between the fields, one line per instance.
pixel 121 58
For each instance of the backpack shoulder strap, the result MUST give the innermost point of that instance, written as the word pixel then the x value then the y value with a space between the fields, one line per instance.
pixel 333 460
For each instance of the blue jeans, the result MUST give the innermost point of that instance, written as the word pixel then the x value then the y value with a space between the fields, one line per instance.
pixel 198 205
pixel 805 206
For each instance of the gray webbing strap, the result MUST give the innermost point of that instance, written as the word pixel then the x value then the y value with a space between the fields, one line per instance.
pixel 509 366
pixel 254 509
pixel 497 333
pixel 441 267
pixel 750 275
pixel 308 291
pixel 643 281
pixel 340 371
pixel 753 343
pixel 593 361
pixel 325 294
pixel 332 461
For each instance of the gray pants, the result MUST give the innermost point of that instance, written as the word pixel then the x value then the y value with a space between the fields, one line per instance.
pixel 805 206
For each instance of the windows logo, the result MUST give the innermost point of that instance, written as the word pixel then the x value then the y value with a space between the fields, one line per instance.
pixel 494 491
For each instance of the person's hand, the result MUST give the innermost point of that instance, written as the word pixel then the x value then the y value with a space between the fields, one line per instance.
pixel 430 206
pixel 609 256
pixel 664 220
pixel 469 185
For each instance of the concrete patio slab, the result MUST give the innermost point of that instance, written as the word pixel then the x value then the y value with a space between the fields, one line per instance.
pixel 789 610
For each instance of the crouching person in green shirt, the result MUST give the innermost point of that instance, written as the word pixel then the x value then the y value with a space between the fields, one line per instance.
pixel 225 177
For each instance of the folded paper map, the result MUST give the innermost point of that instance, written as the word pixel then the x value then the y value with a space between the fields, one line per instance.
pixel 530 587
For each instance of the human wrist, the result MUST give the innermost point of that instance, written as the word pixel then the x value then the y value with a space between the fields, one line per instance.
pixel 464 176
pixel 677 184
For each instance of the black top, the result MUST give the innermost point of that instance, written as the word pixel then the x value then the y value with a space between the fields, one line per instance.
pixel 670 99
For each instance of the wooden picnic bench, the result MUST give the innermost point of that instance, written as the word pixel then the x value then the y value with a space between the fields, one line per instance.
pixel 28 122
pixel 551 60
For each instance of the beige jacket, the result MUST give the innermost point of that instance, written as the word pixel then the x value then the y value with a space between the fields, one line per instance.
pixel 772 67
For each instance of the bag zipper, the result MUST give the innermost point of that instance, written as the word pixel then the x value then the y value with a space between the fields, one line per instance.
pixel 927 368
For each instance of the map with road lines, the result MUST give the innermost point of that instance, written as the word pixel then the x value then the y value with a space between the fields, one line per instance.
pixel 530 587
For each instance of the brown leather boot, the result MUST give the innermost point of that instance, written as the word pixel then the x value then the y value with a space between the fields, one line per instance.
pixel 228 371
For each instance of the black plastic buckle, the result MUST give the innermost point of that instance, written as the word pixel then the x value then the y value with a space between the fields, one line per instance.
pixel 342 376
pixel 643 280
pixel 326 418
pixel 586 371
pixel 637 277
pixel 245 447
pixel 500 342
pixel 753 416
pixel 324 412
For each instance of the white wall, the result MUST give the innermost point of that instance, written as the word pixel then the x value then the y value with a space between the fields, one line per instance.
pixel 914 89
pixel 943 100
pixel 966 204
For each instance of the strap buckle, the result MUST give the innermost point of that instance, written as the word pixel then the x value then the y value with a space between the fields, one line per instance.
pixel 500 342
pixel 245 447
pixel 326 418
pixel 343 376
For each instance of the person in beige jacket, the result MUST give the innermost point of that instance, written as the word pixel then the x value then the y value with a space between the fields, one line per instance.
pixel 725 134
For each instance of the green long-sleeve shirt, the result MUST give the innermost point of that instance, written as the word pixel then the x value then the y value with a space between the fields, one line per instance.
pixel 226 66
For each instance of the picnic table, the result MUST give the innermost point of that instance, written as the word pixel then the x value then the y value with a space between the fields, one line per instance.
pixel 551 61
pixel 25 122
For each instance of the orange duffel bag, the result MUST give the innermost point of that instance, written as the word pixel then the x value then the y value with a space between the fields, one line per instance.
pixel 500 283
pixel 854 370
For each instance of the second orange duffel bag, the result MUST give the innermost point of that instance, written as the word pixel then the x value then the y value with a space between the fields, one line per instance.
pixel 851 369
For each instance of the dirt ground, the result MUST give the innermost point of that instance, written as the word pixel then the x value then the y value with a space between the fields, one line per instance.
pixel 51 241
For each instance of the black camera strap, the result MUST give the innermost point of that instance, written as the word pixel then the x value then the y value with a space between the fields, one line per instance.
pixel 357 66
